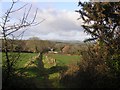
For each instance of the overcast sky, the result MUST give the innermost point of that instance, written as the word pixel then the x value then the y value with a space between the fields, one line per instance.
pixel 60 20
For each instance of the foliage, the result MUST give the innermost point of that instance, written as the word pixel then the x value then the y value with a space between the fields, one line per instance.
pixel 103 23
pixel 35 45
pixel 90 72
pixel 101 19
pixel 100 64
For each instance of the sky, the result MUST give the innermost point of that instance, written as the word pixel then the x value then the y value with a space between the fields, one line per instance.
pixel 60 20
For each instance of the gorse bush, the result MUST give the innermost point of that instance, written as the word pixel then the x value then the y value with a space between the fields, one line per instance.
pixel 93 72
pixel 101 63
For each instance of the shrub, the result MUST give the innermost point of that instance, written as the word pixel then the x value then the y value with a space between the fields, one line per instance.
pixel 94 71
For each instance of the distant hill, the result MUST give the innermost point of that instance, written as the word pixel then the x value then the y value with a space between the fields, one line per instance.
pixel 68 41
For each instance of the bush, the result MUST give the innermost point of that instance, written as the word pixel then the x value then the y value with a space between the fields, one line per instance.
pixel 94 71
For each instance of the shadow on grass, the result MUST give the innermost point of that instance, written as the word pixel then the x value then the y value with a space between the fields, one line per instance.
pixel 35 76
pixel 56 69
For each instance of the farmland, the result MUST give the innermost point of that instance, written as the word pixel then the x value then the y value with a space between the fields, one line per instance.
pixel 37 75
pixel 64 51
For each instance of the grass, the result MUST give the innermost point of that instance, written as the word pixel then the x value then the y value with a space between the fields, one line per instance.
pixel 25 57
pixel 63 59
pixel 52 71
pixel 55 80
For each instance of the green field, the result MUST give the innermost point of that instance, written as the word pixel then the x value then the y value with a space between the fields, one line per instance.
pixel 24 58
pixel 37 74
pixel 63 59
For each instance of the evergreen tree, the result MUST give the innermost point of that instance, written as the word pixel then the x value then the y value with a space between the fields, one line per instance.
pixel 102 22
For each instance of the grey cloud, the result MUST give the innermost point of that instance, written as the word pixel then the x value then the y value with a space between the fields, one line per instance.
pixel 59 25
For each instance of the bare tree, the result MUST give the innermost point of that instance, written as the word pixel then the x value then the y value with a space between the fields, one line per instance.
pixel 9 30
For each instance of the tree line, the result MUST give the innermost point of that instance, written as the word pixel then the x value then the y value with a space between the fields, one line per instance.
pixel 35 45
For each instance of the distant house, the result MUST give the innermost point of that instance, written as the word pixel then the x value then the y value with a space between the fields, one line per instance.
pixel 51 50
pixel 55 52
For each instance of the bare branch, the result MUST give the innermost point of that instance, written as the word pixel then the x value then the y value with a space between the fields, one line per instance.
pixel 7 15
pixel 19 8
pixel 28 12
pixel 17 28
pixel 23 18
pixel 34 16
pixel 15 1
pixel 21 34
pixel 38 22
